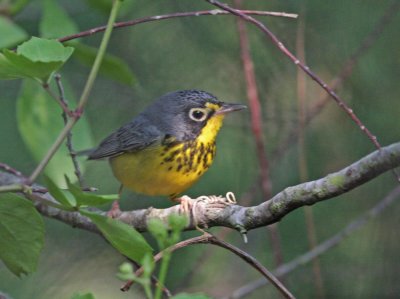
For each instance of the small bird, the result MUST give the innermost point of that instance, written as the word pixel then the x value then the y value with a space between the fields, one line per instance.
pixel 167 147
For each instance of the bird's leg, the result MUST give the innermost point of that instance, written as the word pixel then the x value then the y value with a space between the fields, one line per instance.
pixel 185 204
pixel 115 211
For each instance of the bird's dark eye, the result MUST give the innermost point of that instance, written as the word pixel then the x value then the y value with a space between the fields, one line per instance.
pixel 198 114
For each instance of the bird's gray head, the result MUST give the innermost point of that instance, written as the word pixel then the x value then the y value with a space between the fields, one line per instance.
pixel 183 114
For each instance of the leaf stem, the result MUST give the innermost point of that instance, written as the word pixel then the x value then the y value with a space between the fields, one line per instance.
pixel 147 290
pixel 11 188
pixel 163 273
pixel 50 153
pixel 100 54
pixel 27 190
pixel 84 97
pixel 63 106
pixel 51 203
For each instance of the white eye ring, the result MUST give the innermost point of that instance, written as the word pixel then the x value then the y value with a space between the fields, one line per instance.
pixel 198 114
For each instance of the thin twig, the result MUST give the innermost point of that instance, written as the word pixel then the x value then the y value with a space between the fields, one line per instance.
pixel 53 149
pixel 9 169
pixel 323 247
pixel 173 15
pixel 345 72
pixel 71 151
pixel 63 106
pixel 256 126
pixel 208 238
pixel 255 264
pixel 302 66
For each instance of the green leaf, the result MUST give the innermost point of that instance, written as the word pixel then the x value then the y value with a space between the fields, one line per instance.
pixel 55 22
pixel 178 222
pixel 158 229
pixel 7 70
pixel 40 122
pixel 63 197
pixel 44 50
pixel 126 268
pixel 21 234
pixel 83 296
pixel 121 236
pixel 89 199
pixel 126 272
pixel 37 59
pixel 25 68
pixel 190 296
pixel 112 66
pixel 11 34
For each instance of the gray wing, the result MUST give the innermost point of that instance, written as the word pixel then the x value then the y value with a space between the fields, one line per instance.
pixel 135 135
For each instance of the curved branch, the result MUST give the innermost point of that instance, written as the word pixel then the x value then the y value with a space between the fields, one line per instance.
pixel 235 216
pixel 173 15
pixel 208 238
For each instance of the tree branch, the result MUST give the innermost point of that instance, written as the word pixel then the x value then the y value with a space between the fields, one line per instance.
pixel 317 251
pixel 9 169
pixel 235 216
pixel 71 151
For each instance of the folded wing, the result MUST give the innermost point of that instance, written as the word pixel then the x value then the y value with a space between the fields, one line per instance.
pixel 134 136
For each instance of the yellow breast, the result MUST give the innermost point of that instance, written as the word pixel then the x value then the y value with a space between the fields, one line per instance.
pixel 168 169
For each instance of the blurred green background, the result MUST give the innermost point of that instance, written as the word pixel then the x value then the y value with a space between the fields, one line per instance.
pixel 204 53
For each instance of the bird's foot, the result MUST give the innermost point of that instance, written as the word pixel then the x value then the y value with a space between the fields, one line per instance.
pixel 115 211
pixel 185 204
pixel 196 207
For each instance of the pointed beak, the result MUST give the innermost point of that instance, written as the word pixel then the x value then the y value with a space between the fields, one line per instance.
pixel 227 107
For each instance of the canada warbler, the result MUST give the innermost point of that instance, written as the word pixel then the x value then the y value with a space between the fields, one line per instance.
pixel 167 147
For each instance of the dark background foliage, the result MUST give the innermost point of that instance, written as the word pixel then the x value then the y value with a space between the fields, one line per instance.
pixel 203 53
